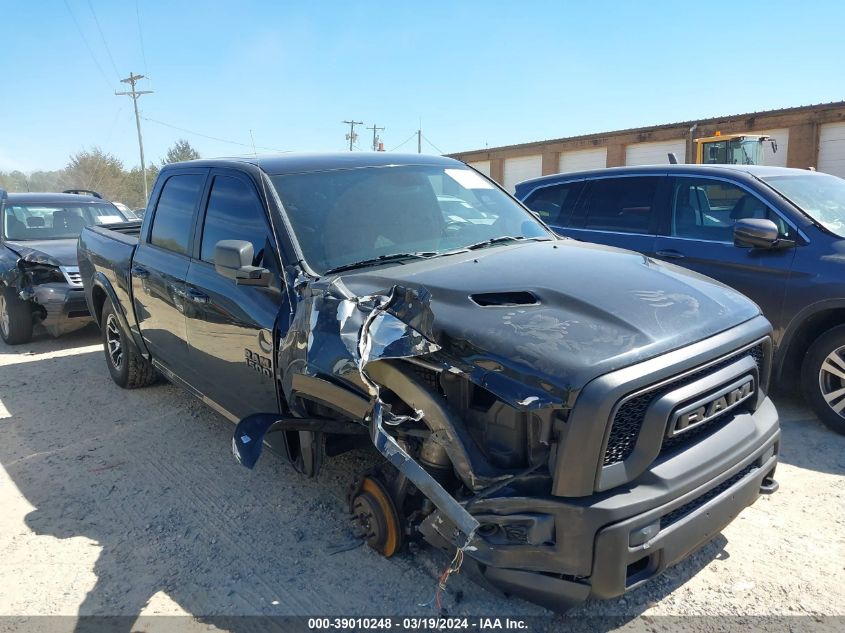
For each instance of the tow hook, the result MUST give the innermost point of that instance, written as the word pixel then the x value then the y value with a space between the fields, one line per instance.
pixel 768 486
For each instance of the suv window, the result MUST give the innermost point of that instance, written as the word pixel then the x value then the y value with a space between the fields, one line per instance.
pixel 234 213
pixel 554 204
pixel 174 213
pixel 707 209
pixel 625 205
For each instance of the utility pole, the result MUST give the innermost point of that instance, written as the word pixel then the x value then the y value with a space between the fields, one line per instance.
pixel 375 135
pixel 352 137
pixel 131 79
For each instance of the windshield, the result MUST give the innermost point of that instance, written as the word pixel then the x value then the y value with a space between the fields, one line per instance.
pixel 345 216
pixel 820 196
pixel 55 221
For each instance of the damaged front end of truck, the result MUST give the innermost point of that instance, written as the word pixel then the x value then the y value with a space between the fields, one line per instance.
pixel 404 395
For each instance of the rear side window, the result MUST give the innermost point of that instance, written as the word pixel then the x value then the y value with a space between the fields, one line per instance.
pixel 554 204
pixel 625 205
pixel 174 215
pixel 234 213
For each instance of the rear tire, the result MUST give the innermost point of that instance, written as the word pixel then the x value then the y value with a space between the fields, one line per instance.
pixel 127 367
pixel 15 317
pixel 823 378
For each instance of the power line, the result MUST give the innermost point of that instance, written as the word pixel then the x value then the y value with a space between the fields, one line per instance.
pixel 213 138
pixel 131 80
pixel 404 142
pixel 99 168
pixel 103 37
pixel 432 144
pixel 88 46
pixel 352 137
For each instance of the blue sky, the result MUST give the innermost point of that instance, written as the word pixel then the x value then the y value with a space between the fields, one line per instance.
pixel 476 73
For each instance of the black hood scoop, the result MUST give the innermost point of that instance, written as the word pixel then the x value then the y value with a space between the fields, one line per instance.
pixel 509 299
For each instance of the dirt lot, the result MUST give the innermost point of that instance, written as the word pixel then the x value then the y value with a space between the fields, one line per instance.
pixel 129 502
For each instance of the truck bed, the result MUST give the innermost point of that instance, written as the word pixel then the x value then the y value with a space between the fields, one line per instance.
pixel 107 251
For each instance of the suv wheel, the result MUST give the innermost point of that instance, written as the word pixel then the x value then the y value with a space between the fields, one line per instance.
pixel 15 318
pixel 823 378
pixel 126 365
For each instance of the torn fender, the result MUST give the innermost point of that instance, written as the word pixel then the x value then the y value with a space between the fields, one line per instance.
pixel 334 336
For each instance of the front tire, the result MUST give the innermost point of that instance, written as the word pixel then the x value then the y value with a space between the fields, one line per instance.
pixel 15 318
pixel 127 367
pixel 823 378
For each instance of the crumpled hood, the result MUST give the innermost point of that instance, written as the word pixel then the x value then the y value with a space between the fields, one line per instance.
pixel 598 309
pixel 51 252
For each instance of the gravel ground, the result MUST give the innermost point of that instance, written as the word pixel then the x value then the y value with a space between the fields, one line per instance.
pixel 129 502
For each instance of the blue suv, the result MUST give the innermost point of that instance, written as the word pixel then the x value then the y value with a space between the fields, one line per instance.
pixel 775 234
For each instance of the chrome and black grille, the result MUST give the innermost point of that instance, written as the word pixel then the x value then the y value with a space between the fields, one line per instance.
pixel 72 275
pixel 628 419
pixel 679 513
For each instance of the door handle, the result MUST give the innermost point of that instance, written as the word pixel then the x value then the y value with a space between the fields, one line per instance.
pixel 196 296
pixel 670 254
pixel 139 272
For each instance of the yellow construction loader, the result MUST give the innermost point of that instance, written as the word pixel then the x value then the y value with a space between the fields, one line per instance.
pixel 732 149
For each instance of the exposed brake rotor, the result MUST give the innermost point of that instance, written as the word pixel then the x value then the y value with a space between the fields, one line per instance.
pixel 375 515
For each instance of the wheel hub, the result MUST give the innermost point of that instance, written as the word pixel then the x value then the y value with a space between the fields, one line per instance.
pixel 4 315
pixel 832 380
pixel 374 513
pixel 113 342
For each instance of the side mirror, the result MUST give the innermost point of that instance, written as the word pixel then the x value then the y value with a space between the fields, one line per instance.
pixel 756 233
pixel 233 260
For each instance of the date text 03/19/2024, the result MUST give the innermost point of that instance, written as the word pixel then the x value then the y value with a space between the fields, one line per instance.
pixel 418 624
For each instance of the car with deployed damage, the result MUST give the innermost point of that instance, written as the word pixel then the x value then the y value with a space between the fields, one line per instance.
pixel 566 420
pixel 775 234
pixel 39 276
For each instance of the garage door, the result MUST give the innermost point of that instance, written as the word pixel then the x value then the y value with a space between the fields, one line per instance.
pixel 522 168
pixel 583 159
pixel 483 166
pixel 655 153
pixel 778 158
pixel 832 149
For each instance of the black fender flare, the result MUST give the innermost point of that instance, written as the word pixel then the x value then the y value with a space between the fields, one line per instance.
pixel 102 282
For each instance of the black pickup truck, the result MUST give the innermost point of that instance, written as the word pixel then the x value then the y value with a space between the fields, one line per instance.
pixel 567 419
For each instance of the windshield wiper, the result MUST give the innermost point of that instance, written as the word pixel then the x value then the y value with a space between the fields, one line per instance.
pixel 504 238
pixel 373 261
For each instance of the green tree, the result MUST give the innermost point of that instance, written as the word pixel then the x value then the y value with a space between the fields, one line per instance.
pixel 97 170
pixel 135 186
pixel 14 181
pixel 181 150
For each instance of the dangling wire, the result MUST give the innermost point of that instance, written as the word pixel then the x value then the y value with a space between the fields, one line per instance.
pixel 453 568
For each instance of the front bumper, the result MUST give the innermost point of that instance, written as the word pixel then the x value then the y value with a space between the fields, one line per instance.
pixel 604 545
pixel 63 307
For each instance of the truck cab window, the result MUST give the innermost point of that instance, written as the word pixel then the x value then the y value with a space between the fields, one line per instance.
pixel 234 213
pixel 174 214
